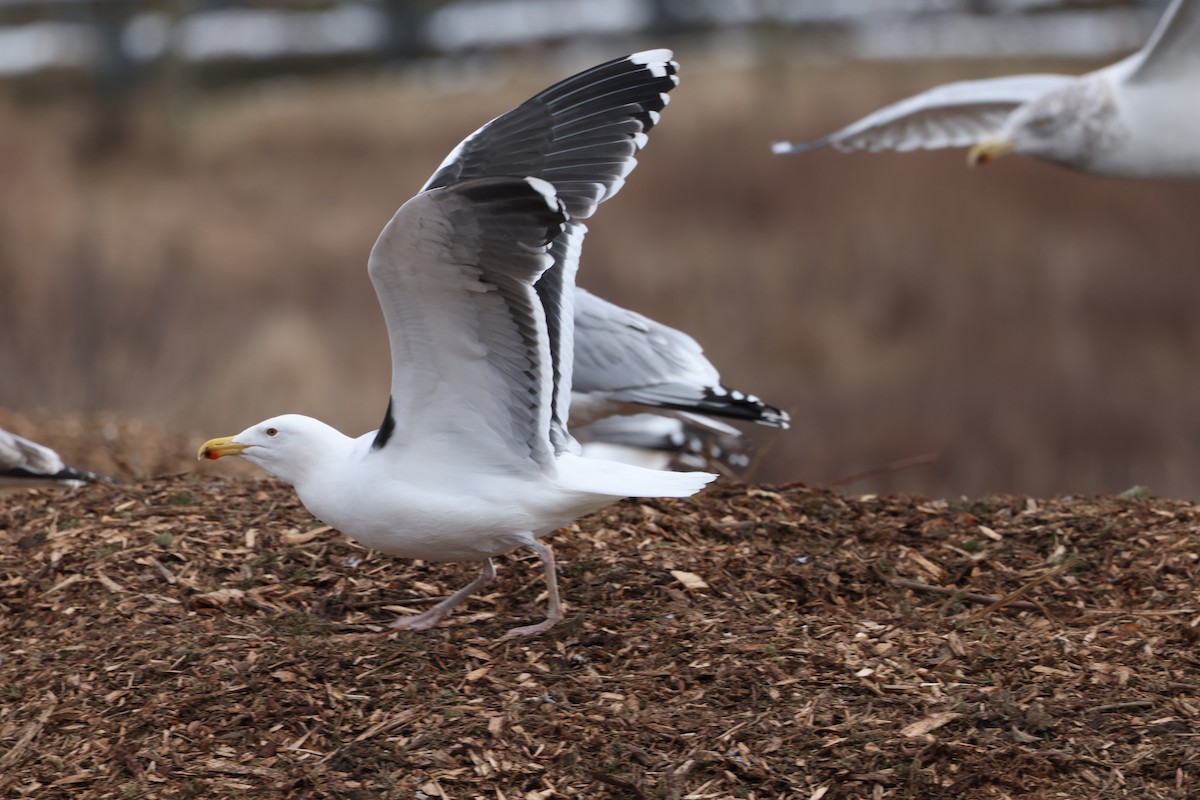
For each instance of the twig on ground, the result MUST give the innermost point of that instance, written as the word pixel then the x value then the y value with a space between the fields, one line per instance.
pixel 1119 706
pixel 974 597
pixel 1011 597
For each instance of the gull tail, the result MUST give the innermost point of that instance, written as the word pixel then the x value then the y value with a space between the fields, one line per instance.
pixel 614 479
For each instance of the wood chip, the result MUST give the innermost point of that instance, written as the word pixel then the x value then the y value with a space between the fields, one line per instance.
pixel 690 580
pixel 930 723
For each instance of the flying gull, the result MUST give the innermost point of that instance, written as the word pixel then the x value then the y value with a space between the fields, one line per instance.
pixel 21 459
pixel 1137 118
pixel 624 360
pixel 476 279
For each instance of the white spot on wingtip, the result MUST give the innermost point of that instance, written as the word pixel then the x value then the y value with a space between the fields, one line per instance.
pixel 781 148
pixel 654 117
pixel 639 140
pixel 666 101
pixel 649 56
pixel 674 80
pixel 546 190
pixel 736 395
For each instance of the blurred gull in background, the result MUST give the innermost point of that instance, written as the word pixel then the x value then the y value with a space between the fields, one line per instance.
pixel 1138 118
pixel 21 459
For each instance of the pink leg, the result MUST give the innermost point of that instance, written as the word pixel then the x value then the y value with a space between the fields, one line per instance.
pixel 555 613
pixel 429 618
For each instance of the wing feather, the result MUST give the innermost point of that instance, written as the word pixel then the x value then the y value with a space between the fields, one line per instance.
pixel 556 289
pixel 22 458
pixel 454 271
pixel 581 133
pixel 624 357
pixel 1173 50
pixel 953 115
pixel 18 453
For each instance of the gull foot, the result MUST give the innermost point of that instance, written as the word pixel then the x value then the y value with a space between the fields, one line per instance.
pixel 419 622
pixel 532 630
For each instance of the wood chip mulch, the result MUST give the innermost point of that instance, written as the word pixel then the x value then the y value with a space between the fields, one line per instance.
pixel 203 637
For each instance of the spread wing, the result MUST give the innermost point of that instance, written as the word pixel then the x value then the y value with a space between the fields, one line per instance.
pixel 954 115
pixel 1173 51
pixel 624 357
pixel 454 271
pixel 581 135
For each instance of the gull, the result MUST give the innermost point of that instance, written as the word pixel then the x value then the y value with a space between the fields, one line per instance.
pixel 1137 118
pixel 476 278
pixel 21 459
pixel 624 360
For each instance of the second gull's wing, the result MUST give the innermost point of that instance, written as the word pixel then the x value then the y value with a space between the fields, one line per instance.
pixel 1173 51
pixel 953 115
pixel 624 357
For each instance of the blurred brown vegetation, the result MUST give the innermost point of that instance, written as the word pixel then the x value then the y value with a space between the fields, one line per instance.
pixel 1033 327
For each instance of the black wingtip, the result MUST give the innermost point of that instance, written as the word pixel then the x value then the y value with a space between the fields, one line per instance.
pixel 721 401
pixel 64 475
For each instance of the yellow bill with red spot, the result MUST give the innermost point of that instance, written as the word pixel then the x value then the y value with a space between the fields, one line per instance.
pixel 224 446
pixel 988 150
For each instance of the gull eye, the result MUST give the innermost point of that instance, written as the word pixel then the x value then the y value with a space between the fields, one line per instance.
pixel 1040 122
pixel 272 432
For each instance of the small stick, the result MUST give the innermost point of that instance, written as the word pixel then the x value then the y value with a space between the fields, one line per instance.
pixel 1119 706
pixel 1009 598
pixel 908 583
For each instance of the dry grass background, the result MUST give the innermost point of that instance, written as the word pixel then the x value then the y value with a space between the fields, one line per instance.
pixel 1034 327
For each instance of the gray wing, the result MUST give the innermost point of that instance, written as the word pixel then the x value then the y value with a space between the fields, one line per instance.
pixel 624 357
pixel 581 135
pixel 954 115
pixel 556 289
pixel 21 458
pixel 689 442
pixel 454 271
pixel 20 454
pixel 1173 51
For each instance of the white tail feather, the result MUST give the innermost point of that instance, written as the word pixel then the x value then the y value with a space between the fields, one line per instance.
pixel 626 480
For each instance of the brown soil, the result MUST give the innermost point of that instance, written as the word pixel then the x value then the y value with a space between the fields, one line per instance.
pixel 199 636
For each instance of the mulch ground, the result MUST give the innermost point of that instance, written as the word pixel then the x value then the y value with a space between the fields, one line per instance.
pixel 199 636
